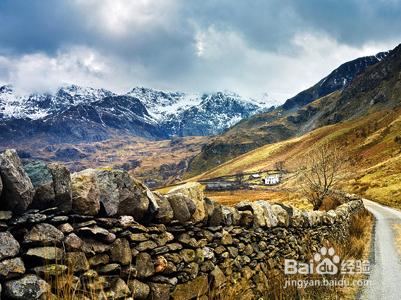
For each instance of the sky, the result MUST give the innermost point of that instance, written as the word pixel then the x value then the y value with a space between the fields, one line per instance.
pixel 265 49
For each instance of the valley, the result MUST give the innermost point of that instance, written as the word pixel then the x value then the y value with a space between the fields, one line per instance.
pixel 157 163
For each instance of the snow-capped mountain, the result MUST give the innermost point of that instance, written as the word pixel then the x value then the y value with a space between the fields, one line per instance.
pixel 76 113
pixel 161 104
pixel 213 113
pixel 38 106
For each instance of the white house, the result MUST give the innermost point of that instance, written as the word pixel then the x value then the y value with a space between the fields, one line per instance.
pixel 255 176
pixel 272 179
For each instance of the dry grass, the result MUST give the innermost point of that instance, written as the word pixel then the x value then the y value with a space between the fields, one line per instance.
pixel 230 198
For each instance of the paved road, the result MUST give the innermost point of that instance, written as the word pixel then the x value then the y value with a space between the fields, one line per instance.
pixel 385 276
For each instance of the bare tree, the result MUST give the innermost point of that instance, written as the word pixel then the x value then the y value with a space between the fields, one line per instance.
pixel 323 167
pixel 280 166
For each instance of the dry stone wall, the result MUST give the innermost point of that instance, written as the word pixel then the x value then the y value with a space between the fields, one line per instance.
pixel 111 236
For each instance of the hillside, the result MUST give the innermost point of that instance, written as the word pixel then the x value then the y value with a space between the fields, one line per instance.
pixel 372 143
pixel 333 99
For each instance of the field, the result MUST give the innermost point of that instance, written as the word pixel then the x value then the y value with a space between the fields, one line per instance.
pixel 273 196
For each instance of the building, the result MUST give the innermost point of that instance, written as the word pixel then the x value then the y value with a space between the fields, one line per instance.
pixel 254 176
pixel 272 179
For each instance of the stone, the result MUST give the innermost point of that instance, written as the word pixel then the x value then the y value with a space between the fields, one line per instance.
pixel 9 247
pixel 85 193
pixel 59 219
pixel 10 268
pixel 42 181
pixel 120 251
pixel 44 234
pixel 65 228
pixel 188 255
pixel 230 215
pixel 118 289
pixel 18 191
pixel 246 218
pixel 161 264
pixel 194 191
pixel 186 239
pixel 281 215
pixel 110 269
pixel 144 265
pixel 192 270
pixel 46 253
pixel 139 290
pixel 135 204
pixel 159 291
pixel 53 270
pixel 163 238
pixel 147 245
pixel 62 186
pixel 270 217
pixel 28 287
pixel 93 247
pixel 180 208
pixel 77 261
pixel 120 194
pixel 217 277
pixel 297 218
pixel 28 218
pixel 138 237
pixel 226 238
pixel 209 207
pixel 98 232
pixel 191 289
pixel 163 279
pixel 100 259
pixel 126 221
pixel 165 214
pixel 217 217
pixel 5 215
pixel 73 242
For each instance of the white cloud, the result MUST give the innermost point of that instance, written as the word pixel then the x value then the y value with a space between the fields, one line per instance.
pixel 121 18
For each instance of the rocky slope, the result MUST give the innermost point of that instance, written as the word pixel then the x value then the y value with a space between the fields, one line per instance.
pixel 348 92
pixel 76 114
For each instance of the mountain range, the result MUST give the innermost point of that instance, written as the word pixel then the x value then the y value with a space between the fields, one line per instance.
pixel 76 114
pixel 337 97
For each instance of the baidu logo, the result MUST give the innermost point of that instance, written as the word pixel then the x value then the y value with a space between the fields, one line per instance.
pixel 326 262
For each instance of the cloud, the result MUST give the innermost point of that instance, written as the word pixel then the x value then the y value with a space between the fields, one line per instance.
pixel 251 47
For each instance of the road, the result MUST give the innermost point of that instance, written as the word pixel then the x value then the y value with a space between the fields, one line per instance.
pixel 385 275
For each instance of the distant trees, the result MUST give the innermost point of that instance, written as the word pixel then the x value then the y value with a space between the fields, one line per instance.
pixel 239 178
pixel 321 170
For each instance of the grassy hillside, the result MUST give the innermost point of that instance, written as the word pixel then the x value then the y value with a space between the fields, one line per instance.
pixel 371 142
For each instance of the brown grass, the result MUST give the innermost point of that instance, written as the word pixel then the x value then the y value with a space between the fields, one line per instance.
pixel 230 198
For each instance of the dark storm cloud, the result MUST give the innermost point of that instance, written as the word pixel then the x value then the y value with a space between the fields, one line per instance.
pixel 45 25
pixel 271 24
pixel 188 44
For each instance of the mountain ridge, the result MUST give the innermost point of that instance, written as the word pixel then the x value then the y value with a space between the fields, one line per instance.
pixel 146 113
pixel 295 117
